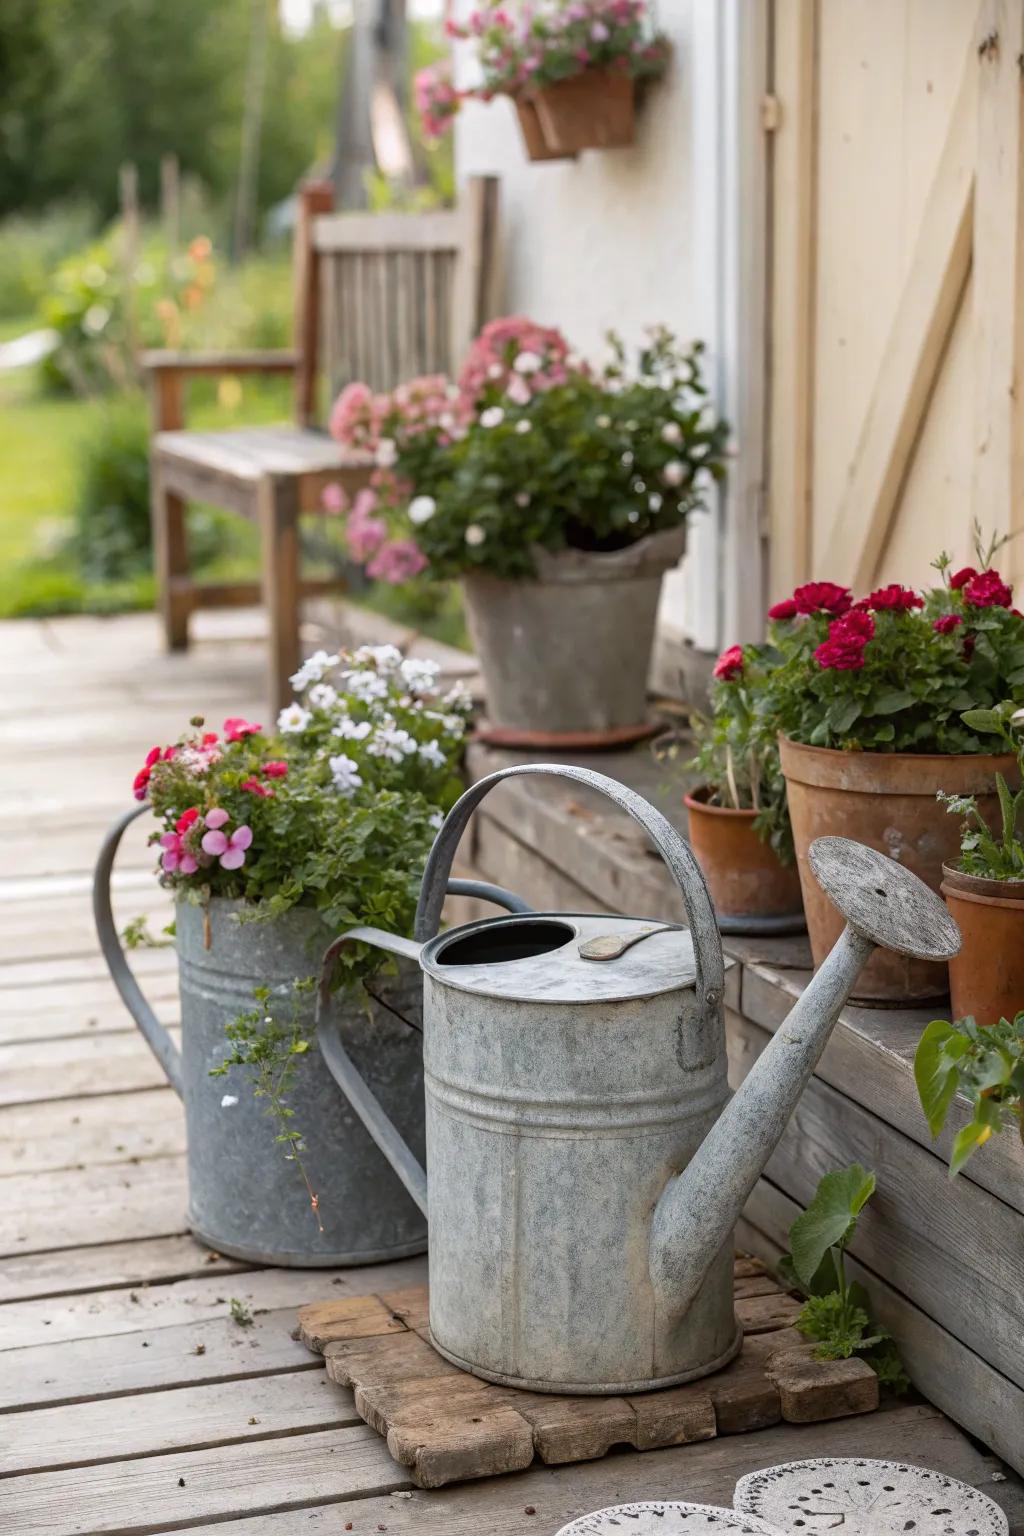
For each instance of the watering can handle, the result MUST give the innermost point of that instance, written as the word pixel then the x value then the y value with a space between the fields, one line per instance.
pixel 676 852
pixel 340 1064
pixel 157 1038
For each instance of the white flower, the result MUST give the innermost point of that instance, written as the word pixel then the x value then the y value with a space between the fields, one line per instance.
pixel 633 515
pixel 492 417
pixel 631 426
pixel 654 501
pixel 446 421
pixel 639 486
pixel 475 535
pixel 518 390
pixel 366 686
pixel 228 1099
pixel 522 498
pixel 599 32
pixel 313 669
pixel 458 696
pixel 95 319
pixel 293 718
pixel 419 676
pixel 386 658
pixel 352 730
pixel 674 472
pixel 495 371
pixel 345 773
pixel 431 753
pixel 603 422
pixel 322 696
pixel 627 459
pixel 386 454
pixel 672 432
pixel 435 820
pixel 392 743
pixel 421 510
pixel 528 362
pixel 524 426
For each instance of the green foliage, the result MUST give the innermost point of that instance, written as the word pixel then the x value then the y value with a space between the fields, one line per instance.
pixel 136 934
pixel 984 853
pixel 986 1065
pixel 240 1313
pixel 837 1311
pixel 30 248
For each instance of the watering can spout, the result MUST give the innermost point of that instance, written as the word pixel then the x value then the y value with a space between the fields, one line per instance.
pixel 884 905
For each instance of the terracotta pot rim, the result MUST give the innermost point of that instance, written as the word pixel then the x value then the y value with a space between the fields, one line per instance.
pixel 692 801
pixel 981 889
pixel 900 774
pixel 918 757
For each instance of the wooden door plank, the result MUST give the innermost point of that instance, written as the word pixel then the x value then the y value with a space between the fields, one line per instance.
pixel 161 1492
pixel 182 1419
pixel 921 326
pixel 87 1132
pixel 109 1266
pixel 706 1473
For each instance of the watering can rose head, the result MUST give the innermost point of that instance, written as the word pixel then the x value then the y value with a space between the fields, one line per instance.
pixel 336 808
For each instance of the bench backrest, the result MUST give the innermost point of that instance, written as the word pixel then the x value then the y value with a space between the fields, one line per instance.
pixel 385 297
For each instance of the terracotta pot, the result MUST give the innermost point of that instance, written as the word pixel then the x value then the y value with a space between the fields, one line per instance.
pixel 537 147
pixel 986 979
pixel 888 801
pixel 752 891
pixel 592 110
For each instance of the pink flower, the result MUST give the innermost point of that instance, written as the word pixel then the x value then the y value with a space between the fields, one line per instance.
pixel 275 770
pixel 397 561
pixel 176 858
pixel 787 609
pixel 256 788
pixel 229 850
pixel 216 817
pixel 186 819
pixel 333 499
pixel 237 729
pixel 947 623
pixel 987 590
pixel 848 636
pixel 894 598
pixel 140 783
pixel 822 597
pixel 962 577
pixel 364 534
pixel 730 664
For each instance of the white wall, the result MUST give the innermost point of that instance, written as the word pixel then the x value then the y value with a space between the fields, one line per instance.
pixel 632 237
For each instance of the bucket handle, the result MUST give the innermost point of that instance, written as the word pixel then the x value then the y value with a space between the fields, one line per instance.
pixel 156 1036
pixel 674 849
pixel 340 1064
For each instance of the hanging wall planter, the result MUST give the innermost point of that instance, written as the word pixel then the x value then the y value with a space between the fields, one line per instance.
pixel 534 141
pixel 592 110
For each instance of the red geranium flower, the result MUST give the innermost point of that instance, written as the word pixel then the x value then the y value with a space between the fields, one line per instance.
pixel 988 590
pixel 962 577
pixel 729 664
pixel 894 598
pixel 275 770
pixel 140 783
pixel 947 623
pixel 186 819
pixel 848 635
pixel 822 597
pixel 236 729
pixel 256 788
pixel 787 609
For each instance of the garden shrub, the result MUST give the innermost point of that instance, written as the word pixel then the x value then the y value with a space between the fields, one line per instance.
pixel 30 248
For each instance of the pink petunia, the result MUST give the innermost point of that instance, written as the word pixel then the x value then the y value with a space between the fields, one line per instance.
pixel 229 850
pixel 397 561
pixel 176 858
pixel 237 729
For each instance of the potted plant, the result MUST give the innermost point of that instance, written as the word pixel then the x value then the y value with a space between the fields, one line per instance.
pixel 570 70
pixel 273 843
pixel 984 887
pixel 985 1064
pixel 869 697
pixel 738 819
pixel 559 495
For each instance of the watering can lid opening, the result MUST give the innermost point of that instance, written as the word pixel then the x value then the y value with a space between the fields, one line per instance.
pixel 536 958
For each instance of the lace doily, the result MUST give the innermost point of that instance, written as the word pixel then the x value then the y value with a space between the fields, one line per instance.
pixel 860 1497
pixel 672 1519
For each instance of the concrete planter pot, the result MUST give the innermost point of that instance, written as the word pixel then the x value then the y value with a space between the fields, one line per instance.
pixel 567 652
pixel 986 979
pixel 888 801
pixel 592 110
pixel 752 891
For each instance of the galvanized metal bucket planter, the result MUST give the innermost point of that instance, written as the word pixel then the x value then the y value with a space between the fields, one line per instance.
pixel 586 1170
pixel 245 1198
pixel 565 655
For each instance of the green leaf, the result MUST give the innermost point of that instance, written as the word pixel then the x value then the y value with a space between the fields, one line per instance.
pixel 935 1071
pixel 966 1142
pixel 987 722
pixel 830 1218
pixel 893 699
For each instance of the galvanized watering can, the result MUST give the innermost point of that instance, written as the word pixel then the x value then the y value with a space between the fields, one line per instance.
pixel 244 1197
pixel 587 1166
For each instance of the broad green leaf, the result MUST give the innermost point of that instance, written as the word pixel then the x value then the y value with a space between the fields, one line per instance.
pixel 968 1140
pixel 842 715
pixel 987 722
pixel 829 1218
pixel 935 1073
pixel 889 702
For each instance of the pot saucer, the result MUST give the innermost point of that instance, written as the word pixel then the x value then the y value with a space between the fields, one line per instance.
pixel 656 1518
pixel 866 1498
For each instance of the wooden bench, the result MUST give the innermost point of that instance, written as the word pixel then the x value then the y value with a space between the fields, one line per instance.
pixel 378 297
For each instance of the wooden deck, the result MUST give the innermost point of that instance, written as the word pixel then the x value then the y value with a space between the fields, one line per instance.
pixel 131 1401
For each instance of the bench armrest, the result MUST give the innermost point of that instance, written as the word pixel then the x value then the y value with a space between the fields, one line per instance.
pixel 187 363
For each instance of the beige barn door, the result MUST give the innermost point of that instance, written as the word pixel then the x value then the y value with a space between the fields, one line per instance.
pixel 896 302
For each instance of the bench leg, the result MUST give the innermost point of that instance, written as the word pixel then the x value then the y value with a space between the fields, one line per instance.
pixel 279 563
pixel 170 561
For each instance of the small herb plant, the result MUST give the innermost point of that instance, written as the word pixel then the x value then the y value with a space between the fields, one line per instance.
pixel 984 853
pixel 837 1311
pixel 737 753
pixel 531 449
pixel 985 1063
pixel 241 1315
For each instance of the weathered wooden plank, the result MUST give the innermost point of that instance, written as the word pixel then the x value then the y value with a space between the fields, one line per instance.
pixel 85 1132
pixel 68 1208
pixel 916 1221
pixel 162 1492
pixel 150 1261
pixel 184 1418
pixel 17 977
pixel 941 1367
pixel 47 927
pixel 83 1066
pixel 706 1473
pixel 89 1007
